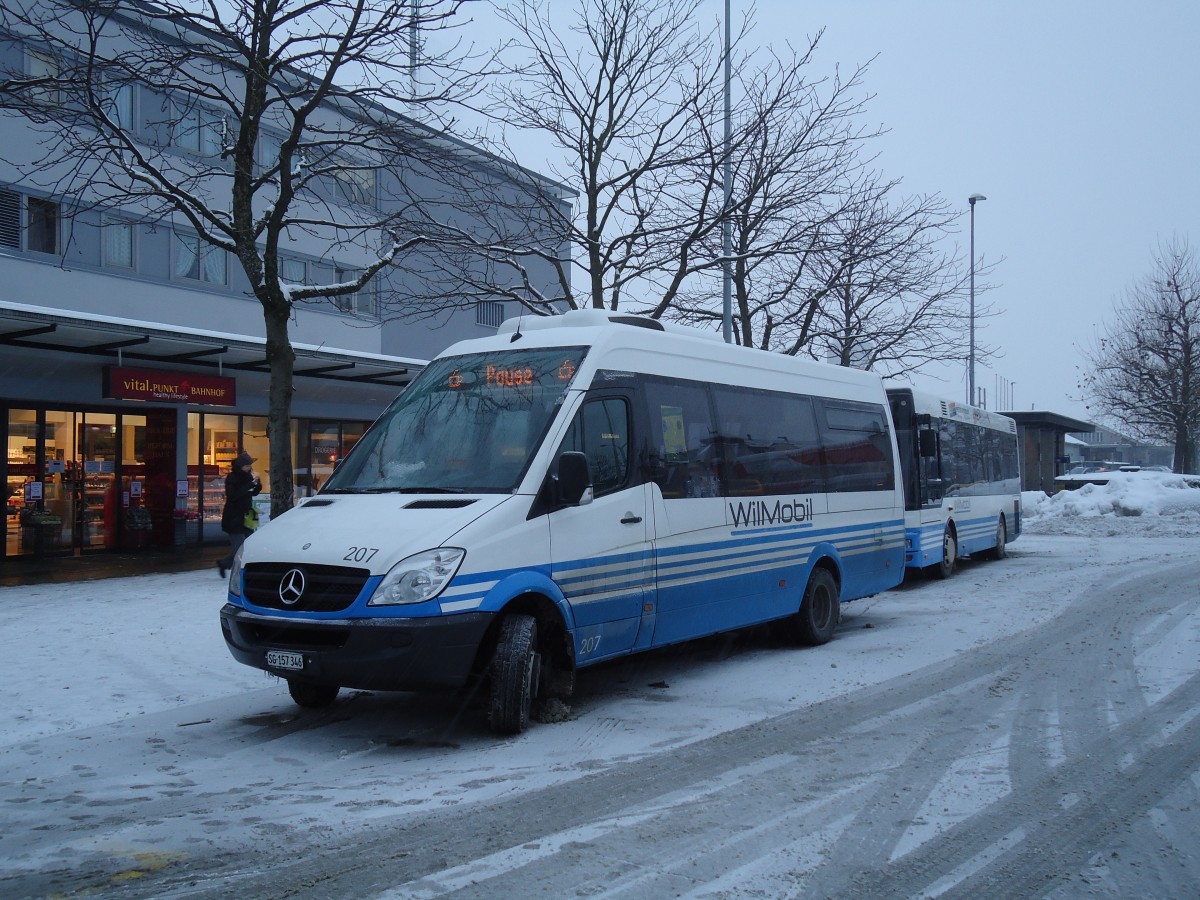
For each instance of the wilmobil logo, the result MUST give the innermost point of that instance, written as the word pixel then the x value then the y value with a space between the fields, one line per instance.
pixel 764 512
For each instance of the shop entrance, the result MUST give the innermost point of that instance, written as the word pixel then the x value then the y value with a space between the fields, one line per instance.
pixel 80 481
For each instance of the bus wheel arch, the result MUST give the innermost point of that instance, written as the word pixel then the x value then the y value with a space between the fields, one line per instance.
pixel 820 607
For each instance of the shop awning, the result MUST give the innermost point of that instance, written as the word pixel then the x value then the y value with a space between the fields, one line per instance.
pixel 129 342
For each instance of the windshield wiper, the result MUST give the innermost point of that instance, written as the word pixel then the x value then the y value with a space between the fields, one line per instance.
pixel 393 490
pixel 363 490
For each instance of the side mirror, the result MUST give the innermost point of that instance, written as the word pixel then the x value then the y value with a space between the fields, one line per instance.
pixel 927 441
pixel 574 479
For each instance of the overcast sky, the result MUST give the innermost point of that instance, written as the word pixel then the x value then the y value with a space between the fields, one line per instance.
pixel 1078 120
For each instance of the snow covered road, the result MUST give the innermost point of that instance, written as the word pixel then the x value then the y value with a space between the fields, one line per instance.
pixel 1027 728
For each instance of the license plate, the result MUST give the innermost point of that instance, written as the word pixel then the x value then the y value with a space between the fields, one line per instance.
pixel 282 659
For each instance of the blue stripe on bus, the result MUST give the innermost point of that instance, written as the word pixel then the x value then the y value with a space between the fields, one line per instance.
pixel 743 553
pixel 925 543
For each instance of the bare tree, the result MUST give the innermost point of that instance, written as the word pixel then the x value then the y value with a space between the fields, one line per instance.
pixel 287 113
pixel 1145 364
pixel 824 261
pixel 827 263
pixel 795 152
pixel 895 298
pixel 622 100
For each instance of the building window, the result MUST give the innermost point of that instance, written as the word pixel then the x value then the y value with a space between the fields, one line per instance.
pixel 10 220
pixel 365 302
pixel 293 271
pixel 198 260
pixel 344 302
pixel 118 243
pixel 117 102
pixel 42 66
pixel 489 313
pixel 269 147
pixel 362 302
pixel 43 225
pixel 355 185
pixel 197 130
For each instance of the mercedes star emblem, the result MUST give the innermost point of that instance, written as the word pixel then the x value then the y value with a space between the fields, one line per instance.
pixel 291 586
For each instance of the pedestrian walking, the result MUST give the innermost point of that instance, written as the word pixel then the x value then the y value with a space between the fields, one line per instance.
pixel 239 518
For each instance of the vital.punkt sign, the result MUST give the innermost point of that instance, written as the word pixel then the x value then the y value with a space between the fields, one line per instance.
pixel 172 387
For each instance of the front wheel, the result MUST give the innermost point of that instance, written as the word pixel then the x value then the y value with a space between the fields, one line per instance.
pixel 312 696
pixel 515 674
pixel 819 611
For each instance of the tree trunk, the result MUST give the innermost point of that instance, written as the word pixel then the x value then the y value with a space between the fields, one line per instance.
pixel 282 360
pixel 1185 451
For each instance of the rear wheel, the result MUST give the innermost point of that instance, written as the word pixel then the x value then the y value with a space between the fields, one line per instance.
pixel 312 696
pixel 819 611
pixel 1000 551
pixel 515 675
pixel 558 680
pixel 945 568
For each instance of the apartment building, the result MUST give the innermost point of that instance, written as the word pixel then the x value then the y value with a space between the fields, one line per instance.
pixel 133 354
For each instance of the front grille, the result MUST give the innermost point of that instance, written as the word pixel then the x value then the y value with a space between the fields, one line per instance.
pixel 294 637
pixel 326 588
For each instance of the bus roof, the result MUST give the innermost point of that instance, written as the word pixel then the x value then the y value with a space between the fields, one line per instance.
pixel 638 344
pixel 941 408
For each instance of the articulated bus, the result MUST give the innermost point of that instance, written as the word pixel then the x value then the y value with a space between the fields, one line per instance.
pixel 574 489
pixel 962 482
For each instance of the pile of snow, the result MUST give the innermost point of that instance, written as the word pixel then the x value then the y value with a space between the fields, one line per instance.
pixel 1163 502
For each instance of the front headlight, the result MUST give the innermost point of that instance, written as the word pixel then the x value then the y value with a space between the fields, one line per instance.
pixel 235 574
pixel 418 578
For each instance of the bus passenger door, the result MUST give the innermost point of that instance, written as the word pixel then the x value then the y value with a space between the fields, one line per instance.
pixel 600 551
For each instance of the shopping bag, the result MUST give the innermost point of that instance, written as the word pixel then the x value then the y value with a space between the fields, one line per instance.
pixel 251 520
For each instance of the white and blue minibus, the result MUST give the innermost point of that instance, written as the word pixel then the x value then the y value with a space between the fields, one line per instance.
pixel 570 490
pixel 962 480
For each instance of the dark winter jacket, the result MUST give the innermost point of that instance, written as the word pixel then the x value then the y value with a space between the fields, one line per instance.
pixel 240 488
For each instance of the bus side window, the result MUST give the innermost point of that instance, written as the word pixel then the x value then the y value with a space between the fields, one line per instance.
pixel 952 467
pixel 858 451
pixel 680 438
pixel 601 430
pixel 934 487
pixel 770 443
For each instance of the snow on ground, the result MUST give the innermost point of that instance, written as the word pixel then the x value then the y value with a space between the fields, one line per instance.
pixel 105 650
pixel 1158 503
pixel 144 656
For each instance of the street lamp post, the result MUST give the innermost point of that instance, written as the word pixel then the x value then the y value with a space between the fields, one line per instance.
pixel 727 221
pixel 971 365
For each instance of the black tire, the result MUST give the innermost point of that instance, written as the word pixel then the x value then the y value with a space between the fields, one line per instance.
pixel 312 696
pixel 946 567
pixel 1000 551
pixel 515 665
pixel 558 681
pixel 820 610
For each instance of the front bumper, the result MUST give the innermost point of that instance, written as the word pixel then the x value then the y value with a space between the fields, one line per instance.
pixel 370 654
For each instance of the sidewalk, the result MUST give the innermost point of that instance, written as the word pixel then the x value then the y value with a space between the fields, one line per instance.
pixel 16 572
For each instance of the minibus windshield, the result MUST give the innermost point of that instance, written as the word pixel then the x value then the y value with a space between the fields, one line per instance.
pixel 467 424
